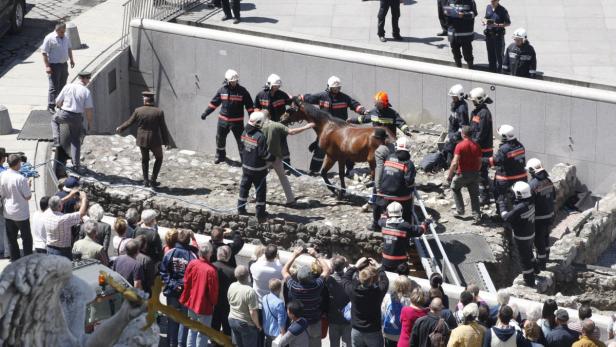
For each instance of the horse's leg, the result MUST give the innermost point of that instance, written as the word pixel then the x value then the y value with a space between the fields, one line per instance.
pixel 327 165
pixel 341 169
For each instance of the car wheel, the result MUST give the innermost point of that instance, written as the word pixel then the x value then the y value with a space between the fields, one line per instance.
pixel 17 19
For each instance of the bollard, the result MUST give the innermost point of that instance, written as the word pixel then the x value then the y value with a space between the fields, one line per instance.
pixel 5 121
pixel 73 35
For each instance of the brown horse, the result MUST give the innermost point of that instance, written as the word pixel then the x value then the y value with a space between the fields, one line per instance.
pixel 339 140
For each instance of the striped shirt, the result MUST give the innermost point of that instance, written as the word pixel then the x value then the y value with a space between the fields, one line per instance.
pixel 58 227
pixel 309 295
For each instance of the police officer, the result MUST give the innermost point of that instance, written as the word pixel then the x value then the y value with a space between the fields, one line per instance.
pixel 520 58
pixel 233 98
pixel 461 21
pixel 510 161
pixel 384 7
pixel 458 117
pixel 336 103
pixel 481 129
pixel 522 220
pixel 255 158
pixel 495 20
pixel 382 115
pixel 544 195
pixel 152 134
pixel 397 235
pixel 397 182
pixel 442 18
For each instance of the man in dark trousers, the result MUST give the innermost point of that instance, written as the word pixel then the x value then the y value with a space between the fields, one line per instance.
pixel 481 133
pixel 466 165
pixel 384 7
pixel 461 20
pixel 227 8
pixel 458 117
pixel 232 98
pixel 495 20
pixel 255 158
pixel 544 194
pixel 520 58
pixel 442 18
pixel 57 52
pixel 152 134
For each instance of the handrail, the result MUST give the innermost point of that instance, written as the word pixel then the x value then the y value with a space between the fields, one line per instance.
pixel 426 243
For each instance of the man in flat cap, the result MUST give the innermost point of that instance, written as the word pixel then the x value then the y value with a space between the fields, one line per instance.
pixel 152 133
pixel 73 101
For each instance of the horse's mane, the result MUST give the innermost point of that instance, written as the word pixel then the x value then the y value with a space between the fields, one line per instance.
pixel 319 114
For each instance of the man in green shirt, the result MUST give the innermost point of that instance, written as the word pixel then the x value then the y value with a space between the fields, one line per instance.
pixel 275 133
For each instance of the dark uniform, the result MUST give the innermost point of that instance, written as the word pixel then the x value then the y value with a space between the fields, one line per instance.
pixel 276 106
pixel 461 31
pixel 495 36
pixel 384 7
pixel 510 161
pixel 254 169
pixel 397 184
pixel 442 18
pixel 481 130
pixel 337 105
pixel 386 117
pixel 522 220
pixel 397 236
pixel 544 195
pixel 231 117
pixel 520 61
pixel 152 133
pixel 458 117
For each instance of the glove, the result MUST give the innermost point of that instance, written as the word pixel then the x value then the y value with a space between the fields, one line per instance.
pixel 203 115
pixel 428 221
pixel 312 146
pixel 407 131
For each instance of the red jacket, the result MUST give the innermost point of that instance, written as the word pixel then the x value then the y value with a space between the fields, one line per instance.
pixel 200 287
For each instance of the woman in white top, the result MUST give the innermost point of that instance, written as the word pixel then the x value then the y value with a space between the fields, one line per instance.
pixel 119 241
pixel 39 235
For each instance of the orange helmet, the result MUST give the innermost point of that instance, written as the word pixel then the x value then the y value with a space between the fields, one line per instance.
pixel 382 97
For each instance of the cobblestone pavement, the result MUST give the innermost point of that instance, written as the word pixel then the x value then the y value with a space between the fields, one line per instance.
pixel 40 19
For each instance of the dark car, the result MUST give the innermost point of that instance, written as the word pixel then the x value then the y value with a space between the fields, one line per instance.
pixel 12 13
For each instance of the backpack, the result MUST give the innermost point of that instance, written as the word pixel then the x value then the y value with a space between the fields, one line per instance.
pixel 432 162
pixel 437 336
pixel 391 318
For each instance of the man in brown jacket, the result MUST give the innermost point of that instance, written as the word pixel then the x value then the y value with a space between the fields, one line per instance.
pixel 152 133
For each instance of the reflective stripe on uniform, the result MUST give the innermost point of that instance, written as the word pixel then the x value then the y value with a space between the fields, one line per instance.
pixel 396 165
pixel 510 178
pixel 524 238
pixel 542 256
pixel 338 105
pixel 210 105
pixel 317 159
pixel 546 216
pixel 398 198
pixel 394 257
pixel 393 232
pixel 464 34
pixel 377 119
pixel 529 271
pixel 486 150
pixel 249 139
pixel 262 168
pixel 515 153
pixel 231 119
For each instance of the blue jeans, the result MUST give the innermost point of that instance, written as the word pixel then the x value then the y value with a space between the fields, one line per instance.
pixel 195 338
pixel 177 334
pixel 64 252
pixel 244 334
pixel 362 339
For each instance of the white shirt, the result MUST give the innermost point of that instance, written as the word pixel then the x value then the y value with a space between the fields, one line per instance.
pixel 75 97
pixel 39 236
pixel 56 48
pixel 262 271
pixel 15 193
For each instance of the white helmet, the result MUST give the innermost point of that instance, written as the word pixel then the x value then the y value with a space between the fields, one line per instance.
pixel 506 132
pixel 274 80
pixel 456 90
pixel 521 190
pixel 394 209
pixel 534 165
pixel 403 144
pixel 520 33
pixel 232 76
pixel 334 82
pixel 478 95
pixel 257 119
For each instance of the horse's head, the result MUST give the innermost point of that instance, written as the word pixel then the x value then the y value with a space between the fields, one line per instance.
pixel 295 112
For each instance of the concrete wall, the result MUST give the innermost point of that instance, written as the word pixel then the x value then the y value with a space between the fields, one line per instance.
pixel 556 122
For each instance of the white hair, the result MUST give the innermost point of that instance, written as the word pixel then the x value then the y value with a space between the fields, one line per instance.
pixel 96 212
pixel 534 314
pixel 502 296
pixel 148 216
pixel 223 253
pixel 89 228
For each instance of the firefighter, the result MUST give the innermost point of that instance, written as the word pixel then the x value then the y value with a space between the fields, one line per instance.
pixel 544 195
pixel 397 183
pixel 233 98
pixel 274 100
pixel 461 31
pixel 510 161
pixel 522 220
pixel 397 235
pixel 458 117
pixel 382 115
pixel 481 129
pixel 255 158
pixel 520 58
pixel 337 104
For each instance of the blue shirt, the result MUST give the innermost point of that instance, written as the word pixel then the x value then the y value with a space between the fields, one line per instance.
pixel 274 315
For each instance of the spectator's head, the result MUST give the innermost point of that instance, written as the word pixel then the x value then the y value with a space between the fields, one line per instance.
pixel 70 183
pixel 505 314
pixel 217 234
pixel 588 327
pixel 241 274
pixel 466 297
pixel 532 331
pixel 14 162
pixel 368 276
pixel 271 252
pixel 562 316
pixel 466 132
pixel 132 216
pixel 96 212
pixel 44 203
pixel 436 306
pixel 502 297
pixel 148 217
pixel 584 312
pixel 514 309
pixel 436 280
pixel 60 29
pixel 470 312
pixel 304 274
pixel 403 269
pixel 474 289
pixel 132 248
pixel 171 237
pixel 258 252
pixel 549 308
pixel 120 226
pixel 402 287
pixel 223 253
pixel 275 285
pixel 338 263
pixel 295 310
pixel 55 203
pixel 184 237
pixel 205 251
pixel 143 242
pixel 534 314
pixel 435 293
pixel 418 297
pixel 483 314
pixel 89 228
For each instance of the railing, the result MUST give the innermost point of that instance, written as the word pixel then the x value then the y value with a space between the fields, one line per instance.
pixel 161 10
